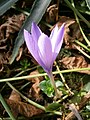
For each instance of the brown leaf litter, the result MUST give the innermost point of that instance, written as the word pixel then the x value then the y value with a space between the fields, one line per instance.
pixel 52 13
pixel 19 107
pixel 34 91
pixel 7 34
pixel 75 62
pixel 12 25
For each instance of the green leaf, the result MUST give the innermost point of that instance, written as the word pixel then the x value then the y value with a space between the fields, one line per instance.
pixel 87 87
pixel 88 3
pixel 88 107
pixel 38 9
pixel 59 83
pixel 5 5
pixel 53 107
pixel 47 88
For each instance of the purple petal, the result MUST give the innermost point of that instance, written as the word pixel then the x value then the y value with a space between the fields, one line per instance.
pixel 35 32
pixel 57 40
pixel 29 41
pixel 54 32
pixel 45 49
pixel 32 46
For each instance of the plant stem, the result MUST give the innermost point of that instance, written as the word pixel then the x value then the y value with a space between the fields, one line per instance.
pixel 85 54
pixel 44 74
pixel 54 85
pixel 76 11
pixel 20 10
pixel 82 45
pixel 84 36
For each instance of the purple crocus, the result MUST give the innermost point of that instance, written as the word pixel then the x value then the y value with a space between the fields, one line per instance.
pixel 43 48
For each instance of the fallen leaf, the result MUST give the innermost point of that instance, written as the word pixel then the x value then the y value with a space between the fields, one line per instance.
pixel 19 107
pixel 7 33
pixel 35 90
pixel 14 96
pixel 75 62
pixel 24 109
pixel 52 13
pixel 4 58
pixel 12 25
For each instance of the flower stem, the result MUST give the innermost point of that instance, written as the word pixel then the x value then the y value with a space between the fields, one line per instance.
pixel 54 86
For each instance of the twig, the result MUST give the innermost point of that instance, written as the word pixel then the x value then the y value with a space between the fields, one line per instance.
pixel 62 77
pixel 85 54
pixel 73 108
pixel 43 74
pixel 82 103
pixel 82 45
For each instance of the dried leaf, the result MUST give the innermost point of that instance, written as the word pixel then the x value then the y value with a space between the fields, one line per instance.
pixel 7 33
pixel 12 25
pixel 15 96
pixel 75 62
pixel 18 107
pixel 35 90
pixel 4 58
pixel 52 13
pixel 24 109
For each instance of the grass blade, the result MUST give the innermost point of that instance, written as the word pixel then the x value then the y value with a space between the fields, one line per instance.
pixel 5 5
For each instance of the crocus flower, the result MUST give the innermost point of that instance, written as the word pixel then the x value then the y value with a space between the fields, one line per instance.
pixel 43 48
